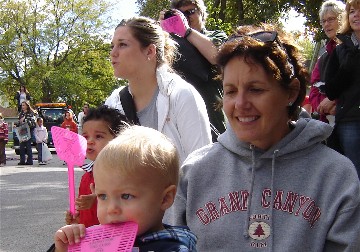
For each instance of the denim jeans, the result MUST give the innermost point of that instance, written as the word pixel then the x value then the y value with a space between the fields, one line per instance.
pixel 39 149
pixel 349 136
pixel 26 145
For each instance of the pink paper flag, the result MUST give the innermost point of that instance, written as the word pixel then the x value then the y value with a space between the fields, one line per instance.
pixel 71 148
pixel 109 237
pixel 174 24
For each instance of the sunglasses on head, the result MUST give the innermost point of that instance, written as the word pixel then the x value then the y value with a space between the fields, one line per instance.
pixel 189 12
pixel 266 37
pixel 262 36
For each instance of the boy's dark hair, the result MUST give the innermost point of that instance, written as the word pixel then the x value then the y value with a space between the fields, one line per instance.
pixel 113 117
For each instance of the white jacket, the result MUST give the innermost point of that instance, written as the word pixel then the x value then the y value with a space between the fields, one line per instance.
pixel 41 134
pixel 182 114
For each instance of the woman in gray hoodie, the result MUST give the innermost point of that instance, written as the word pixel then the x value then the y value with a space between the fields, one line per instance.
pixel 269 184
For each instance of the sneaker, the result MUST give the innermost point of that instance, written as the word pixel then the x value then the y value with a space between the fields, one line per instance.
pixel 42 163
pixel 21 163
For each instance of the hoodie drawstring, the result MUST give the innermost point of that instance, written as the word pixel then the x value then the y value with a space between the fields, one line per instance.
pixel 247 219
pixel 272 194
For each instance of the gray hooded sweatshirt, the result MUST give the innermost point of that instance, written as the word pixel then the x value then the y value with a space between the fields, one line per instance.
pixel 297 196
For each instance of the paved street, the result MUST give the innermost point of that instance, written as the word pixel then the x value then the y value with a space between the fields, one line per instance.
pixel 33 200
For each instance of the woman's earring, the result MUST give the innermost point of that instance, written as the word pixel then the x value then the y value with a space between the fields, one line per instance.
pixel 290 104
pixel 148 58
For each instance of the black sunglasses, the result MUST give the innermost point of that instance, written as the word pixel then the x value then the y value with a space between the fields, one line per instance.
pixel 266 37
pixel 190 12
pixel 262 36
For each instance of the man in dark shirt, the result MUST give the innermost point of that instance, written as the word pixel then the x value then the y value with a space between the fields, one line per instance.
pixel 198 50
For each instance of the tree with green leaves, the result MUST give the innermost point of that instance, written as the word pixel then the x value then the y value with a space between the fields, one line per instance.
pixel 56 48
pixel 228 14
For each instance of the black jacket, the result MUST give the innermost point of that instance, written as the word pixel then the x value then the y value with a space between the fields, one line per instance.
pixel 342 80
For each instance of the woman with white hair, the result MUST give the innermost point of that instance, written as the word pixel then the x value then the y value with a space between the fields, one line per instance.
pixel 330 15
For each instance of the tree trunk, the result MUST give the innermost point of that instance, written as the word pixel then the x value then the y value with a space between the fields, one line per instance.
pixel 46 91
pixel 240 9
pixel 215 7
pixel 222 10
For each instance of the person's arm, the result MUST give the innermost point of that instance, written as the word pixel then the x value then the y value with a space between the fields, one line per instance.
pixel 338 77
pixel 4 129
pixel 21 118
pixel 192 120
pixel 181 27
pixel 344 233
pixel 326 107
pixel 70 234
pixel 46 135
pixel 72 219
pixel 31 121
pixel 6 132
pixel 36 134
pixel 84 202
pixel 315 97
pixel 80 118
pixel 74 127
pixel 315 74
pixel 204 45
pixel 86 198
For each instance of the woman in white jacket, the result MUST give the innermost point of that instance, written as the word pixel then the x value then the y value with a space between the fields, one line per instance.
pixel 41 136
pixel 142 53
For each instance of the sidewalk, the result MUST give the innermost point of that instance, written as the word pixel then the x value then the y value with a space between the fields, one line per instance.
pixel 11 155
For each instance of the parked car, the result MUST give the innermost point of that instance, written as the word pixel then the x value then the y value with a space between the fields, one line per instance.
pixel 53 115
